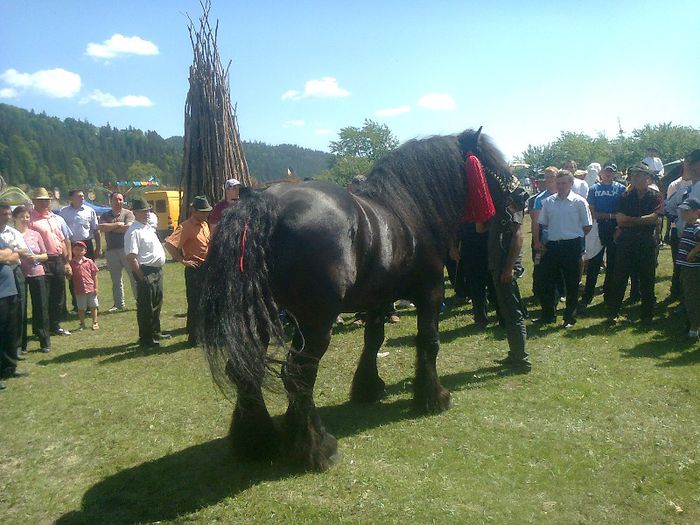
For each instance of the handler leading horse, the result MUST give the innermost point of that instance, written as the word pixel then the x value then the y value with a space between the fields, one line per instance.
pixel 316 250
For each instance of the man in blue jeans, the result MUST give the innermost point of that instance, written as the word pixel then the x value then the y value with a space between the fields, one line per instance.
pixel 603 200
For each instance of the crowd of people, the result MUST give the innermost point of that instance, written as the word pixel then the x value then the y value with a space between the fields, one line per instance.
pixel 46 248
pixel 581 221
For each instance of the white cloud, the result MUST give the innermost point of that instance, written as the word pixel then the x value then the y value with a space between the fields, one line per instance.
pixel 327 87
pixel 392 112
pixel 56 83
pixel 437 102
pixel 119 45
pixel 107 100
pixel 322 131
pixel 292 94
pixel 8 93
pixel 295 123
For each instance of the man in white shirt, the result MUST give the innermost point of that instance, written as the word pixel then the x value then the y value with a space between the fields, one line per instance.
pixel 146 257
pixel 654 162
pixel 568 219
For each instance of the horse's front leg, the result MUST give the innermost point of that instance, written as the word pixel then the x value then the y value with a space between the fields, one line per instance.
pixel 308 440
pixel 367 386
pixel 429 395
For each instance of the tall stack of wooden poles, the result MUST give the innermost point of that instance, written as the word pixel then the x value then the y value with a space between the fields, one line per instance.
pixel 213 152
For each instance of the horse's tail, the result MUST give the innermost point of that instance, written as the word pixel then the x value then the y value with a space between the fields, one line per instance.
pixel 239 314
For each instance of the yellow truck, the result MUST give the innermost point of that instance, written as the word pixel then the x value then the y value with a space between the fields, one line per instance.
pixel 166 205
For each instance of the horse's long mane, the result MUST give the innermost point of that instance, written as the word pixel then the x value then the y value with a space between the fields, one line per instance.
pixel 423 181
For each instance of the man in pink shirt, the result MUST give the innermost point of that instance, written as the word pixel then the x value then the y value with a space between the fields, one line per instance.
pixel 58 250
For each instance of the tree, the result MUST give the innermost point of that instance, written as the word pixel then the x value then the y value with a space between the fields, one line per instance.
pixel 672 142
pixel 371 141
pixel 357 149
pixel 345 169
pixel 143 171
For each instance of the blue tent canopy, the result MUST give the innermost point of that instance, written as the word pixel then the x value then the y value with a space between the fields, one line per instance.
pixel 98 209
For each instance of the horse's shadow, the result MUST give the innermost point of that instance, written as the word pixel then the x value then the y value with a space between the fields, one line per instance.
pixel 203 475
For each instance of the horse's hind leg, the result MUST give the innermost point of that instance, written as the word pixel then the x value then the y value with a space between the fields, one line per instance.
pixel 252 433
pixel 367 386
pixel 307 438
pixel 429 394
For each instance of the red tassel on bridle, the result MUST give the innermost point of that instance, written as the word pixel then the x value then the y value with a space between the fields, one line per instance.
pixel 478 204
pixel 243 235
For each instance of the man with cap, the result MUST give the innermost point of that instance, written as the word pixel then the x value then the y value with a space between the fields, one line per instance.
pixel 638 213
pixel 232 189
pixel 688 262
pixel 188 245
pixel 603 200
pixel 146 257
pixel 505 244
pixel 58 248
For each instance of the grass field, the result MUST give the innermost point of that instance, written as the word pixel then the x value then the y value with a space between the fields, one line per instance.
pixel 604 430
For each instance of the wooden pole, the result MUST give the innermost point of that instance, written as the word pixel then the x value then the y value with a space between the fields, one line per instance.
pixel 212 152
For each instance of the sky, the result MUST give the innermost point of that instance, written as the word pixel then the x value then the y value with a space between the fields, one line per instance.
pixel 300 71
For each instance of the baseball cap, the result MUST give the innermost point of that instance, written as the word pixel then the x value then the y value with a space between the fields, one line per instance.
pixel 690 203
pixel 79 243
pixel 611 166
pixel 640 167
pixel 232 183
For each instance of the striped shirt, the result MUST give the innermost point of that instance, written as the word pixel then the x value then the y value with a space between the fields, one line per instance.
pixel 690 239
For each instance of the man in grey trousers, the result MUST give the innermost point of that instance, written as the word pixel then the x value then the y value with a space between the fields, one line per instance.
pixel 114 224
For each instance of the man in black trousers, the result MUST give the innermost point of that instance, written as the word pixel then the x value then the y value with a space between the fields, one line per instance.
pixel 568 219
pixel 638 214
pixel 146 257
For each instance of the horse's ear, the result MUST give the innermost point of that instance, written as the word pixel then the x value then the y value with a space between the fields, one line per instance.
pixel 477 136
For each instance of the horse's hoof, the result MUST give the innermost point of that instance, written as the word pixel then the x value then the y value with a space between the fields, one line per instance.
pixel 435 404
pixel 326 455
pixel 367 392
pixel 253 439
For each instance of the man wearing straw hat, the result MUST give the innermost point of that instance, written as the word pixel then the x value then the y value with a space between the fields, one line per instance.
pixel 146 258
pixel 188 245
pixel 58 250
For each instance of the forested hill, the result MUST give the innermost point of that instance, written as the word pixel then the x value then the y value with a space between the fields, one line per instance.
pixel 39 150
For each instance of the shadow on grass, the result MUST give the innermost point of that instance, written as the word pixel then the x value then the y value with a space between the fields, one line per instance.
pixel 116 353
pixel 203 475
pixel 172 486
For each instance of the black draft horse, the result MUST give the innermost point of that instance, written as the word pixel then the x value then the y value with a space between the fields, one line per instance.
pixel 316 250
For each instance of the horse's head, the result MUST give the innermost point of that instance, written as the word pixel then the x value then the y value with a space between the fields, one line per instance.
pixel 499 177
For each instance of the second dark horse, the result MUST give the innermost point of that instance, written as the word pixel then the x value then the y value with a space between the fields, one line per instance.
pixel 316 250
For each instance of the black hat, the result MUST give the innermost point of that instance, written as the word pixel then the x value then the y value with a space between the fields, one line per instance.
pixel 139 205
pixel 693 156
pixel 691 203
pixel 611 166
pixel 640 167
pixel 200 203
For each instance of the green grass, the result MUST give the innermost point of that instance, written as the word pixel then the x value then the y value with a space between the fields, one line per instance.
pixel 604 430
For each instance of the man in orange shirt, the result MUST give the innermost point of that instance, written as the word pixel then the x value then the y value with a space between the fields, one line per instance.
pixel 188 245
